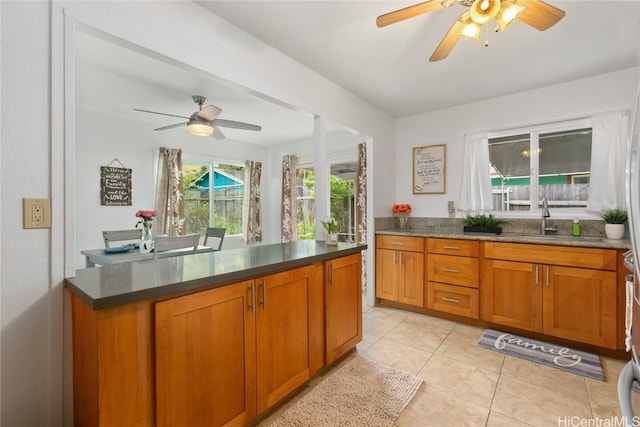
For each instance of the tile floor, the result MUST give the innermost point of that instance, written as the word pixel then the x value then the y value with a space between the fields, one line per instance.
pixel 465 385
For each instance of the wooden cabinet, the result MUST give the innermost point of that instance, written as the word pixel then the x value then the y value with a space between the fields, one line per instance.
pixel 567 292
pixel 206 357
pixel 343 306
pixel 228 354
pixel 400 269
pixel 452 272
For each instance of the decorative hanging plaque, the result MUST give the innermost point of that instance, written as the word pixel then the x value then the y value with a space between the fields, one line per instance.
pixel 429 169
pixel 115 186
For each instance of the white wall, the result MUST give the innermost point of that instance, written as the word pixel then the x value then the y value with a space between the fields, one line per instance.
pixel 100 139
pixel 579 98
pixel 35 152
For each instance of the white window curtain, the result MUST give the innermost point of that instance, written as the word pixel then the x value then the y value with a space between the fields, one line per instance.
pixel 169 200
pixel 607 187
pixel 251 204
pixel 288 217
pixel 475 191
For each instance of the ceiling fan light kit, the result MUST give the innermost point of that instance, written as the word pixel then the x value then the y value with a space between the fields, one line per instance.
pixel 535 13
pixel 204 122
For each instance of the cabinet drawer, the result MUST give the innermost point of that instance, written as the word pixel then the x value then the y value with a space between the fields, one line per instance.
pixel 455 270
pixel 454 247
pixel 570 256
pixel 404 243
pixel 452 299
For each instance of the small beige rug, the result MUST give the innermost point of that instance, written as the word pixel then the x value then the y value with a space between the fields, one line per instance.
pixel 360 393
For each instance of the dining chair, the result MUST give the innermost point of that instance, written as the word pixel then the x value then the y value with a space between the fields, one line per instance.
pixel 111 236
pixel 216 233
pixel 163 244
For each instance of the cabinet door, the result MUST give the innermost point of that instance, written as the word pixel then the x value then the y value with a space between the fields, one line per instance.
pixel 511 295
pixel 282 331
pixel 580 305
pixel 387 274
pixel 205 358
pixel 343 305
pixel 411 278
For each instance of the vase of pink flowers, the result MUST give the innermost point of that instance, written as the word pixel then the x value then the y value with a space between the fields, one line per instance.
pixel 145 219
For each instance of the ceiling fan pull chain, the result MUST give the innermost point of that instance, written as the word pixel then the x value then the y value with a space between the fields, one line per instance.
pixel 486 35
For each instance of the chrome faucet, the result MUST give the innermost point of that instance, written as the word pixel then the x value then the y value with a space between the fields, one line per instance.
pixel 545 215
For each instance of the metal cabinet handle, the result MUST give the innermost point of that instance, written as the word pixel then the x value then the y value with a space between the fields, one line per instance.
pixel 394 256
pixel 397 243
pixel 453 300
pixel 450 270
pixel 547 276
pixel 264 294
pixel 252 301
pixel 537 274
pixel 453 248
pixel 331 273
pixel 400 258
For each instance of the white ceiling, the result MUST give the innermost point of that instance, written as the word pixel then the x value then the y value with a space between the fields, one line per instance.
pixel 388 67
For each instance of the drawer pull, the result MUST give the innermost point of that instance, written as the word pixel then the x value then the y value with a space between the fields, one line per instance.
pixel 453 248
pixel 450 270
pixel 453 300
pixel 398 243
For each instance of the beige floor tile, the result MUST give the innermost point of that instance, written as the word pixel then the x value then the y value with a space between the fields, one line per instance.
pixel 399 356
pixel 468 382
pixel 501 420
pixel 379 322
pixel 603 396
pixel 434 408
pixel 462 345
pixel 420 335
pixel 539 406
pixel 367 341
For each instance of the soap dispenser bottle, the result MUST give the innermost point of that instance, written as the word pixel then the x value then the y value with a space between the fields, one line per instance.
pixel 575 229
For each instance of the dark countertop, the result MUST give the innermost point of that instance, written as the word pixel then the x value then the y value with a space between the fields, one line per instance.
pixel 457 233
pixel 118 284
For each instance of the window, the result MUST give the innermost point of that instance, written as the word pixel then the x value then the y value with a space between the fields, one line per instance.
pixel 213 196
pixel 341 200
pixel 552 161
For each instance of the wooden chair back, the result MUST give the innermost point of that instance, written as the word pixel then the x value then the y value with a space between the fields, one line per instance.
pixel 163 244
pixel 214 233
pixel 110 236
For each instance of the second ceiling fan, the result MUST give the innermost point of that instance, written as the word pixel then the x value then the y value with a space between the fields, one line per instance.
pixel 204 122
pixel 535 13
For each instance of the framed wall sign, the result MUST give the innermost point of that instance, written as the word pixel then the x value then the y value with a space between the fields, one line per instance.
pixel 429 169
pixel 115 186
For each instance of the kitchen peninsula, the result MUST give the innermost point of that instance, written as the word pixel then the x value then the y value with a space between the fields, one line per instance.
pixel 218 337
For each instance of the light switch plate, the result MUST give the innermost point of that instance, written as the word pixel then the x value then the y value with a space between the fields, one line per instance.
pixel 36 213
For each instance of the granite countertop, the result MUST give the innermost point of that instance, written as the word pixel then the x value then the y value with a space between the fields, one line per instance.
pixel 118 284
pixel 550 239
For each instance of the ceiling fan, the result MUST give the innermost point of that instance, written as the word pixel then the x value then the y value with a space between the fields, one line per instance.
pixel 535 13
pixel 204 122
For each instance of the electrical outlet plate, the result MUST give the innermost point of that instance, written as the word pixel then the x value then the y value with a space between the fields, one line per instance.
pixel 36 213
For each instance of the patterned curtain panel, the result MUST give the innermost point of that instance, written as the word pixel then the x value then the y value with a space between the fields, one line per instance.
pixel 361 207
pixel 169 200
pixel 289 200
pixel 251 204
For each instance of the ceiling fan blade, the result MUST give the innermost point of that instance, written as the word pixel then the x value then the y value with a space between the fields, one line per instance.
pixel 177 125
pixel 209 113
pixel 538 14
pixel 450 39
pixel 217 133
pixel 235 125
pixel 162 114
pixel 411 11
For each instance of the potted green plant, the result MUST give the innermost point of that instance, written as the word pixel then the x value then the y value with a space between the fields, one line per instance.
pixel 614 219
pixel 483 223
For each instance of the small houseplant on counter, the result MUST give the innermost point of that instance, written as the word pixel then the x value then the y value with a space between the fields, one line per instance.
pixel 402 210
pixel 482 223
pixel 331 227
pixel 614 219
